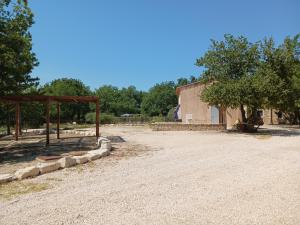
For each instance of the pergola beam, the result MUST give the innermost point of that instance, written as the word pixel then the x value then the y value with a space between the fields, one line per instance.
pixel 47 100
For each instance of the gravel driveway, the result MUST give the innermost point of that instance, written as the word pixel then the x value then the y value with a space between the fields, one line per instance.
pixel 182 178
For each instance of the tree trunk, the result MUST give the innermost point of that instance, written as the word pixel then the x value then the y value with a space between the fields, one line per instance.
pixel 243 114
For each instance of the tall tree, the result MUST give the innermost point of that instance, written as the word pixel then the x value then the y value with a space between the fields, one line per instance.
pixel 72 87
pixel 283 63
pixel 231 66
pixel 119 101
pixel 160 99
pixel 16 57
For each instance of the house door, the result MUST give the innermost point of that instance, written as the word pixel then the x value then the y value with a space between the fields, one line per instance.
pixel 214 115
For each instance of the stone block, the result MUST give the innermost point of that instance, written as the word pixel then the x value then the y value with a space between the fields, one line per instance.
pixel 67 162
pixel 4 178
pixel 93 156
pixel 48 167
pixel 102 152
pixel 81 159
pixel 27 172
pixel 105 145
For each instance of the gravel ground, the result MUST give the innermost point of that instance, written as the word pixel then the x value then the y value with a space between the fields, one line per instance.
pixel 180 178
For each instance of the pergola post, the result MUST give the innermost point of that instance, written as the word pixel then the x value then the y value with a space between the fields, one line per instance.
pixel 48 121
pixel 58 120
pixel 97 118
pixel 8 120
pixel 17 121
pixel 20 121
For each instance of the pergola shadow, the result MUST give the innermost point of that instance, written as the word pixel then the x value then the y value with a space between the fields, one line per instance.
pixel 26 152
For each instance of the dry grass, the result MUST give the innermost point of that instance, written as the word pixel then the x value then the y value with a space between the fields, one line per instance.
pixel 263 137
pixel 54 179
pixel 10 190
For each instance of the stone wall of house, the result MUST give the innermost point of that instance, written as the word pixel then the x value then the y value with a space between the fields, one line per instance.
pixel 186 127
pixel 270 117
pixel 193 109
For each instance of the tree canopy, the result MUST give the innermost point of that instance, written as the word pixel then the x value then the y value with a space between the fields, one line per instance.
pixel 119 101
pixel 160 99
pixel 16 57
pixel 72 87
pixel 239 73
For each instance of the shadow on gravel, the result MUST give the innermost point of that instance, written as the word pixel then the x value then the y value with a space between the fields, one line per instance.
pixel 116 139
pixel 280 132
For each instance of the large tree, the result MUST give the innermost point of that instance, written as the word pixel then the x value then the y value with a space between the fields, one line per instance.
pixel 234 77
pixel 72 87
pixel 16 57
pixel 283 64
pixel 160 99
pixel 240 74
pixel 119 101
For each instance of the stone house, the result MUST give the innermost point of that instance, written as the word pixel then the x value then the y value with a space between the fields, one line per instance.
pixel 192 110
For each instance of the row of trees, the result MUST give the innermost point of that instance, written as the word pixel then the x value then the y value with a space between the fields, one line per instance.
pixel 158 101
pixel 238 74
pixel 252 76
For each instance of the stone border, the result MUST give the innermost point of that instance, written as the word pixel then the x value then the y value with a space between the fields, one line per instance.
pixel 104 148
pixel 178 126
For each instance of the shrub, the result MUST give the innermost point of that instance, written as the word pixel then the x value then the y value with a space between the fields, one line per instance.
pixel 90 117
pixel 104 118
pixel 170 116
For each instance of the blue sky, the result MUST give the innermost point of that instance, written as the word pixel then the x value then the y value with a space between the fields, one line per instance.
pixel 143 42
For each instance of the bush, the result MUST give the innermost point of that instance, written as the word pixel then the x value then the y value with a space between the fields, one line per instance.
pixel 170 116
pixel 104 118
pixel 108 119
pixel 158 119
pixel 90 117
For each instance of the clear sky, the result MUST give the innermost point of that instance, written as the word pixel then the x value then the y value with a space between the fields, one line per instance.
pixel 143 42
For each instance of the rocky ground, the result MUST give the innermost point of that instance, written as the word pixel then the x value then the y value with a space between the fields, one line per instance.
pixel 169 178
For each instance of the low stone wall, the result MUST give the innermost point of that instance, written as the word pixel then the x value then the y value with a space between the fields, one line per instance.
pixel 186 127
pixel 104 148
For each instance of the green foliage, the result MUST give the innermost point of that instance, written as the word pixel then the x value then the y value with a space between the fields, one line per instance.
pixel 230 59
pixel 231 66
pixel 16 57
pixel 184 81
pixel 284 62
pixel 119 101
pixel 104 118
pixel 68 87
pixel 171 115
pixel 90 117
pixel 160 99
pixel 239 73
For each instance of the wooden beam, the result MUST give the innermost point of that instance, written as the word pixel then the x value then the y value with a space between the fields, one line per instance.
pixel 58 120
pixel 44 98
pixel 48 122
pixel 8 120
pixel 17 121
pixel 20 120
pixel 97 118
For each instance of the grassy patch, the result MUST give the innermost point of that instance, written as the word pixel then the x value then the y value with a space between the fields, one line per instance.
pixel 13 189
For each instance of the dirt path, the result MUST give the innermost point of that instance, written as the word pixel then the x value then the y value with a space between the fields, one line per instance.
pixel 181 178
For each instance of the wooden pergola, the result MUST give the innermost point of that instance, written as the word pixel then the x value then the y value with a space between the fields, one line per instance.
pixel 48 100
